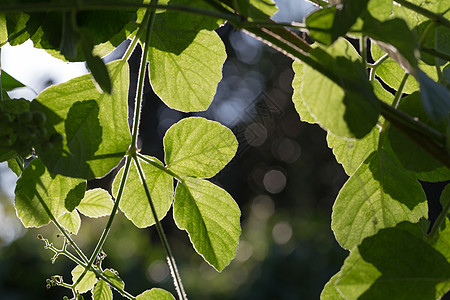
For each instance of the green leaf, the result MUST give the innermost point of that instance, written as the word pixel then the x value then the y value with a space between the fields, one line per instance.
pixel 70 221
pixel 442 244
pixel 416 160
pixel 134 203
pixel 96 203
pixel 95 63
pixel 211 218
pixel 3 28
pixel 155 294
pixel 299 104
pixel 74 196
pixel 348 111
pixel 351 153
pixel 198 147
pixel 112 275
pixel 378 195
pixel 328 24
pixel 88 281
pixel 435 97
pixel 102 291
pixel 330 292
pixel 256 9
pixel 14 166
pixel 394 32
pixel 94 125
pixel 380 9
pixel 413 18
pixel 394 264
pixel 8 82
pixel 187 81
pixel 445 196
pixel 36 187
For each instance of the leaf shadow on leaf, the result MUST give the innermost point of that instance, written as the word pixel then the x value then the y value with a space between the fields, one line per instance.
pixel 410 268
pixel 387 173
pixel 174 32
pixel 74 196
pixel 83 134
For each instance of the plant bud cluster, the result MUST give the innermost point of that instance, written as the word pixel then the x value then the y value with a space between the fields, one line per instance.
pixel 23 130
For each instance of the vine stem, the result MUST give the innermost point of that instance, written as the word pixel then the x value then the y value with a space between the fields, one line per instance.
pixel 170 258
pixel 154 163
pixel 110 221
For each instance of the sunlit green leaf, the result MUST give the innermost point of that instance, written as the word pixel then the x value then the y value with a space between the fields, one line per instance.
pixel 330 292
pixel 351 111
pixel 442 243
pixel 413 18
pixel 351 153
pixel 211 218
pixel 155 294
pixel 415 159
pixel 394 264
pixel 134 202
pixel 14 166
pixel 88 281
pixel 198 147
pixel 328 24
pixel 96 203
pixel 378 195
pixel 94 125
pixel 187 81
pixel 3 28
pixel 102 291
pixel 36 187
pixel 300 106
pixel 70 221
pixel 95 63
pixel 256 9
pixel 112 275
pixel 380 9
pixel 394 32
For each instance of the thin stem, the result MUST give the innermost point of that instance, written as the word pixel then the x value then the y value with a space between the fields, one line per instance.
pixel 110 221
pixel 399 92
pixel 170 258
pixel 148 19
pixel 363 47
pixel 437 18
pixel 158 165
pixel 61 229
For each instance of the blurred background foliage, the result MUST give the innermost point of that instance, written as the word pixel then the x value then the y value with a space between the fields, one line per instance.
pixel 284 179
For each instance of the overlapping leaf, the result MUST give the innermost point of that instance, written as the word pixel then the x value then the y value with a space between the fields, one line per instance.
pixel 211 217
pixel 394 264
pixel 134 202
pixel 37 190
pixel 94 125
pixel 378 195
pixel 198 147
pixel 346 111
pixel 87 282
pixel 102 291
pixel 351 153
pixel 415 159
pixel 328 24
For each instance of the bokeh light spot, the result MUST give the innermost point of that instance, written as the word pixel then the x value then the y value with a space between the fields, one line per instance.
pixel 282 233
pixel 274 181
pixel 158 271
